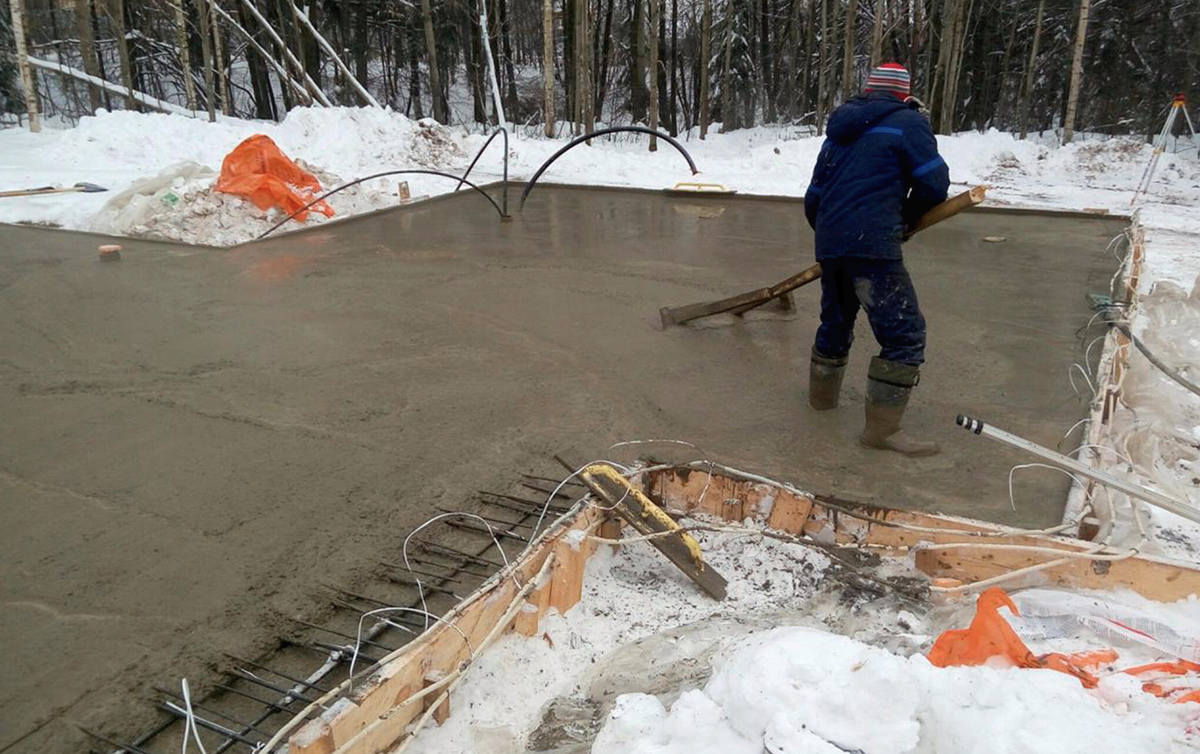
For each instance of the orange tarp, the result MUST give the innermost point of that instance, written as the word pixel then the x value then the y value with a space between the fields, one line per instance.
pixel 257 170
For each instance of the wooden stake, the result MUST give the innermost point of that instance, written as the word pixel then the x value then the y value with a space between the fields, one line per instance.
pixel 647 518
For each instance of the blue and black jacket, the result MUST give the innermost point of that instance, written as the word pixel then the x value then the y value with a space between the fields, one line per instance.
pixel 878 171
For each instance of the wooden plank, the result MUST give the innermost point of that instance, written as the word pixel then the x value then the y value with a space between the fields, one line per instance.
pixel 903 532
pixel 373 718
pixel 647 518
pixel 744 302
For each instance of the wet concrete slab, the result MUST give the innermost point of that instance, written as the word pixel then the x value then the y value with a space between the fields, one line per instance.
pixel 193 437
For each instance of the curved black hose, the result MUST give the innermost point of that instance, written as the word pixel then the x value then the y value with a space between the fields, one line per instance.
pixel 486 144
pixel 1162 367
pixel 331 192
pixel 602 132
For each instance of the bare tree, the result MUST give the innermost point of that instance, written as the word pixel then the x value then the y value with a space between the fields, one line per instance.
pixel 548 66
pixel 1076 72
pixel 87 50
pixel 435 78
pixel 19 35
pixel 655 10
pixel 1031 69
pixel 705 54
pixel 848 59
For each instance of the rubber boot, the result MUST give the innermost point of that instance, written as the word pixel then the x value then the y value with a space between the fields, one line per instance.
pixel 889 385
pixel 825 380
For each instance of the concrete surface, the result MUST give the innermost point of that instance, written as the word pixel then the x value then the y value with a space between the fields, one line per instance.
pixel 193 438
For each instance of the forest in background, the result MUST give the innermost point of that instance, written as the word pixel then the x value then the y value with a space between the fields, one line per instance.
pixel 1095 66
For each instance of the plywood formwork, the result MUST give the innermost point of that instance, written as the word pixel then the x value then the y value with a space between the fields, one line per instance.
pixel 415 684
pixel 1110 378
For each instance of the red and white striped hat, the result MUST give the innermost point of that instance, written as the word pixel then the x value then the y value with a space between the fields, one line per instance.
pixel 889 77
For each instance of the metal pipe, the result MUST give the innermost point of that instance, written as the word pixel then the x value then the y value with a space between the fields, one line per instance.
pixel 1058 459
pixel 434 547
pixel 215 727
pixel 268 685
pixel 351 637
pixel 213 710
pixel 285 676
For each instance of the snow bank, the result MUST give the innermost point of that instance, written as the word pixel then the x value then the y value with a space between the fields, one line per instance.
pixel 118 148
pixel 804 691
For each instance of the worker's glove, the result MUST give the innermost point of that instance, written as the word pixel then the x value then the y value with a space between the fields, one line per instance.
pixel 916 104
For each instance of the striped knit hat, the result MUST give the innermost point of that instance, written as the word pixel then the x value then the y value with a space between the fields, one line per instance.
pixel 891 78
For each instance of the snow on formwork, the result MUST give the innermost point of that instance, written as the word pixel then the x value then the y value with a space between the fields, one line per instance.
pixel 792 661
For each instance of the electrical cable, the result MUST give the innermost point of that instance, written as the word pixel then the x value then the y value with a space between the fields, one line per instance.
pixel 385 173
pixel 603 132
pixel 466 175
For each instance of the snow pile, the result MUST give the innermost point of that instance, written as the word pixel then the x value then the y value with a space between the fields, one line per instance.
pixel 118 148
pixel 642 626
pixel 803 691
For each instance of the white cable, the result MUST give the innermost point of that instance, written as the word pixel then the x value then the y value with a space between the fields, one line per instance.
pixel 439 517
pixel 377 611
pixel 189 721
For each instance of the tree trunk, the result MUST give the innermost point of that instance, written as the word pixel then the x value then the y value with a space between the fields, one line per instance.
pixel 548 66
pixel 792 72
pixel 605 59
pixel 116 16
pixel 260 78
pixel 877 33
pixel 638 94
pixel 87 51
pixel 766 68
pixel 674 67
pixel 485 32
pixel 509 70
pixel 222 69
pixel 414 107
pixel 728 120
pixel 1076 72
pixel 848 82
pixel 823 68
pixel 435 77
pixel 655 11
pixel 181 44
pixel 27 83
pixel 705 54
pixel 210 99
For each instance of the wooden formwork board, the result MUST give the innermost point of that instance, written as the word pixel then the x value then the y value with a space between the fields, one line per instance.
pixel 376 716
pixel 913 533
pixel 380 712
pixel 1110 376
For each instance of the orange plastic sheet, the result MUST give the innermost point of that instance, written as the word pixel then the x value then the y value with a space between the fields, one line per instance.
pixel 990 635
pixel 259 171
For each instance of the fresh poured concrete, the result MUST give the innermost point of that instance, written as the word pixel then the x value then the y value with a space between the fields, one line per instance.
pixel 194 438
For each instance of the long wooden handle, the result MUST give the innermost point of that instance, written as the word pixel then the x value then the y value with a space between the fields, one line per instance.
pixel 949 208
pixel 744 302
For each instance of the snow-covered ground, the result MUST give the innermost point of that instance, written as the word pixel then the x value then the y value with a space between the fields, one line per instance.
pixel 790 663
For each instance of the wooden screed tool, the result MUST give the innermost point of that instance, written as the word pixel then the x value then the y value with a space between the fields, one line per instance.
pixel 744 302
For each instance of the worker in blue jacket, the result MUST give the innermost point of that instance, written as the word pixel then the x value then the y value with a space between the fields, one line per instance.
pixel 878 171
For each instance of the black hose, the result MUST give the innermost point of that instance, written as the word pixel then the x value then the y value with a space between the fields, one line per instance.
pixel 1172 373
pixel 462 180
pixel 602 132
pixel 486 144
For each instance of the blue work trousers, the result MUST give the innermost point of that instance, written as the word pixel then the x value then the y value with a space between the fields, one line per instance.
pixel 882 288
